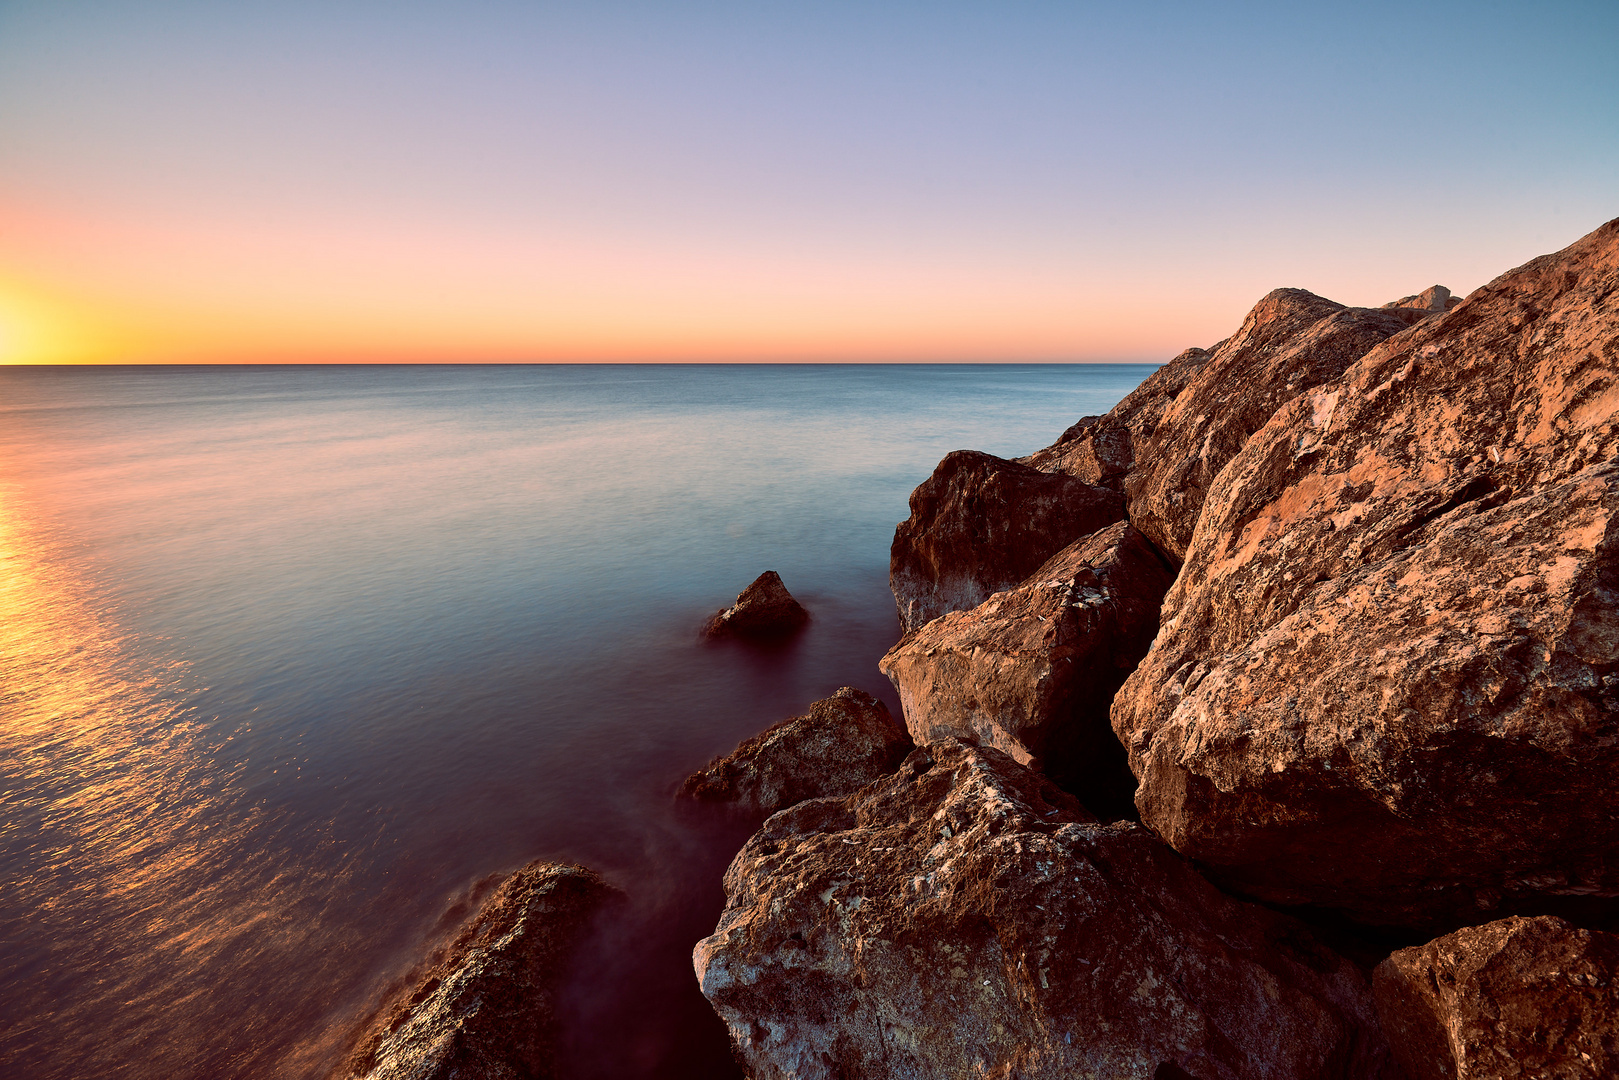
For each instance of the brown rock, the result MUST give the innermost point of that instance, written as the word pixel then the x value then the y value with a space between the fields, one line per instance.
pixel 1032 671
pixel 980 524
pixel 1516 999
pixel 488 1006
pixel 841 744
pixel 965 917
pixel 1386 678
pixel 1433 298
pixel 764 609
pixel 1290 343
pixel 1102 449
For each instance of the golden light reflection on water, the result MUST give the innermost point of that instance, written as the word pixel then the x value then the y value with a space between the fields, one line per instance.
pixel 123 831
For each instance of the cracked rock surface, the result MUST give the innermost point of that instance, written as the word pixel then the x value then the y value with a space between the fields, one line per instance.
pixel 966 917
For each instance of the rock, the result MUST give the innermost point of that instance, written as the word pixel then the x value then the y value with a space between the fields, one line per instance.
pixel 1102 449
pixel 1032 671
pixel 1290 343
pixel 980 524
pixel 488 1006
pixel 1516 999
pixel 966 917
pixel 1433 298
pixel 841 744
pixel 1387 679
pixel 764 609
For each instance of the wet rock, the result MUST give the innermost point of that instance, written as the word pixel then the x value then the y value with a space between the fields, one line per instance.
pixel 841 744
pixel 764 609
pixel 1515 999
pixel 1387 679
pixel 980 524
pixel 1102 449
pixel 1290 343
pixel 1032 671
pixel 488 1006
pixel 965 917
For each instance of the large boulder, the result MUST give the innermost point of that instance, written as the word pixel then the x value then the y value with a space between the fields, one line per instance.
pixel 965 917
pixel 1032 671
pixel 1515 999
pixel 841 744
pixel 765 609
pixel 1102 449
pixel 487 1007
pixel 1290 343
pixel 980 524
pixel 1387 679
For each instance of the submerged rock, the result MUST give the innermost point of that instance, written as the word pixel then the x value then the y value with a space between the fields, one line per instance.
pixel 841 744
pixel 1387 679
pixel 488 1007
pixel 980 524
pixel 764 609
pixel 1516 999
pixel 1032 671
pixel 966 917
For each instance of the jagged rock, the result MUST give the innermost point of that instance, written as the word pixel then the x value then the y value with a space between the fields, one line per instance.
pixel 965 917
pixel 841 744
pixel 1387 679
pixel 1101 449
pixel 980 524
pixel 488 1006
pixel 1515 999
pixel 764 609
pixel 1290 343
pixel 1032 671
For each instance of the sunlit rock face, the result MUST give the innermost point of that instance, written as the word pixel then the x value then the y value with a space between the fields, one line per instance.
pixel 1032 670
pixel 1290 343
pixel 838 745
pixel 1102 449
pixel 1515 999
pixel 1387 679
pixel 965 917
pixel 488 1007
pixel 980 524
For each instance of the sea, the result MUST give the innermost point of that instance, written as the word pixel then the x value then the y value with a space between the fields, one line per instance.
pixel 294 658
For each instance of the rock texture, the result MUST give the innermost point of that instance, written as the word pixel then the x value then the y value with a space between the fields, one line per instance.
pixel 1516 999
pixel 1387 679
pixel 966 918
pixel 1290 343
pixel 487 1008
pixel 1032 671
pixel 1102 449
pixel 764 609
pixel 1433 298
pixel 980 524
pixel 841 744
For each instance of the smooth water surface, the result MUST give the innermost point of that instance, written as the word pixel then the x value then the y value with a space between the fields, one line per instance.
pixel 292 657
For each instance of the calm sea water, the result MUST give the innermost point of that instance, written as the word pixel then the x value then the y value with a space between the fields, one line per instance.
pixel 292 657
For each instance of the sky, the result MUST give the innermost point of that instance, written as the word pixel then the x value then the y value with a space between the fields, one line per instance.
pixel 492 180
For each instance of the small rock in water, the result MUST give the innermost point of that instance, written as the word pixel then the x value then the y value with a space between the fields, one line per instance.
pixel 764 609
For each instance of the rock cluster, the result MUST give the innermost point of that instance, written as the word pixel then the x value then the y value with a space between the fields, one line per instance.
pixel 841 744
pixel 966 917
pixel 1346 588
pixel 980 524
pixel 488 1006
pixel 765 609
pixel 1032 670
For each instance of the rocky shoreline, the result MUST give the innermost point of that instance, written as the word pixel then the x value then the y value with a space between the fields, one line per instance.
pixel 1308 648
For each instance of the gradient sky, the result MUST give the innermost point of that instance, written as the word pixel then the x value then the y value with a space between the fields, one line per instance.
pixel 215 181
